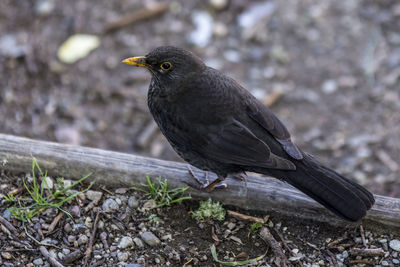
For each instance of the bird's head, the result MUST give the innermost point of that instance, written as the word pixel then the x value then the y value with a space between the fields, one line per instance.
pixel 169 65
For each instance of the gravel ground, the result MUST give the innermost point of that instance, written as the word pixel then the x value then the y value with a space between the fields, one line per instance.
pixel 329 69
pixel 126 233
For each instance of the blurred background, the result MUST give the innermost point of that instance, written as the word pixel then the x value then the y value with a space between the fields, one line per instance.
pixel 329 69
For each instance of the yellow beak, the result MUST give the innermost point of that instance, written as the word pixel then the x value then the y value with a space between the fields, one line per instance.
pixel 137 61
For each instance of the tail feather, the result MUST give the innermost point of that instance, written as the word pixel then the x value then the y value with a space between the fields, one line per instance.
pixel 337 193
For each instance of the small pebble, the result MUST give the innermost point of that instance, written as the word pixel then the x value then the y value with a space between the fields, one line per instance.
pixel 385 263
pixel 38 262
pixel 395 244
pixel 75 211
pixel 123 256
pixel 94 195
pixel 125 242
pixel 71 239
pixel 83 239
pixel 133 203
pixel 396 261
pixel 231 225
pixel 329 86
pixel 7 215
pixel 110 204
pixel 67 228
pixel 150 239
pixel 138 242
pixel 6 255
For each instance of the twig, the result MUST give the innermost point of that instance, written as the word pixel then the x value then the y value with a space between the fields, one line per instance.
pixel 88 251
pixel 73 256
pixel 362 261
pixel 48 257
pixel 282 239
pixel 8 225
pixel 371 252
pixel 337 241
pixel 141 14
pixel 91 205
pixel 55 222
pixel 333 259
pixel 363 235
pixel 276 247
pixel 245 217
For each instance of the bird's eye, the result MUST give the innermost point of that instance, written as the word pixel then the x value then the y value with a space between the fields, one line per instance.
pixel 166 65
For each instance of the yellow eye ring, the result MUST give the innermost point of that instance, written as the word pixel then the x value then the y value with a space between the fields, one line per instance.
pixel 166 65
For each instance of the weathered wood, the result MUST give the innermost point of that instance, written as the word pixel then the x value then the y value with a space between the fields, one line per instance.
pixel 124 170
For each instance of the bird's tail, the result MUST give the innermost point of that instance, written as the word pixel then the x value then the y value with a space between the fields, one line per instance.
pixel 337 193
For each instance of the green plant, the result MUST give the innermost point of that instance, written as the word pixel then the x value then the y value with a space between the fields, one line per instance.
pixel 255 227
pixel 160 193
pixel 209 210
pixel 42 197
pixel 154 219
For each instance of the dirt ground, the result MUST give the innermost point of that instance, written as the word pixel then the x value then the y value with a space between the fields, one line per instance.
pixel 329 69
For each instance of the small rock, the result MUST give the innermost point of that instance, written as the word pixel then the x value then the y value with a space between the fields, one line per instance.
pixel 83 239
pixel 110 204
pixel 395 244
pixel 118 200
pixel 138 242
pixel 6 255
pixel 38 262
pixel 94 195
pixel 71 239
pixel 75 211
pixel 150 239
pixel 385 263
pixel 133 203
pixel 125 242
pixel 76 47
pixel 133 265
pixel 123 256
pixel 396 261
pixel 88 222
pixel 231 225
pixel 47 183
pixel 166 237
pixel 329 86
pixel 255 13
pixel 7 215
pixel 79 228
pixel 67 228
pixel 121 191
pixel 60 255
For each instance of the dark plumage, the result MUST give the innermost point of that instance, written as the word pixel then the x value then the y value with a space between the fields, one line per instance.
pixel 216 125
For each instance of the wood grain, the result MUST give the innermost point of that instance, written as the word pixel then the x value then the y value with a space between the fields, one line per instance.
pixel 115 169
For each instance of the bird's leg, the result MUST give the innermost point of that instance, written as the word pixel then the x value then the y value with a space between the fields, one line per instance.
pixel 205 183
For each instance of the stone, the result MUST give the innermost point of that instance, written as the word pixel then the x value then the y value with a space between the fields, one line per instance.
pixel 83 239
pixel 133 203
pixel 47 183
pixel 126 242
pixel 150 239
pixel 395 244
pixel 123 256
pixel 138 242
pixel 7 214
pixel 110 204
pixel 38 262
pixel 94 195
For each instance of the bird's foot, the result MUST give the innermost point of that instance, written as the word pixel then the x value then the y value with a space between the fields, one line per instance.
pixel 204 183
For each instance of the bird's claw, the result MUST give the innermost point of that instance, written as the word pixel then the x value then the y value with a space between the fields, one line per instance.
pixel 204 183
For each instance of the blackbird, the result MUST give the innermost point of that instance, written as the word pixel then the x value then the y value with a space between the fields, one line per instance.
pixel 215 124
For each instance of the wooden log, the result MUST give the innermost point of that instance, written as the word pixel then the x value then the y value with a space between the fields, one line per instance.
pixel 123 170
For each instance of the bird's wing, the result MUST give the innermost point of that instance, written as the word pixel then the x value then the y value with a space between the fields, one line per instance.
pixel 266 119
pixel 234 143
